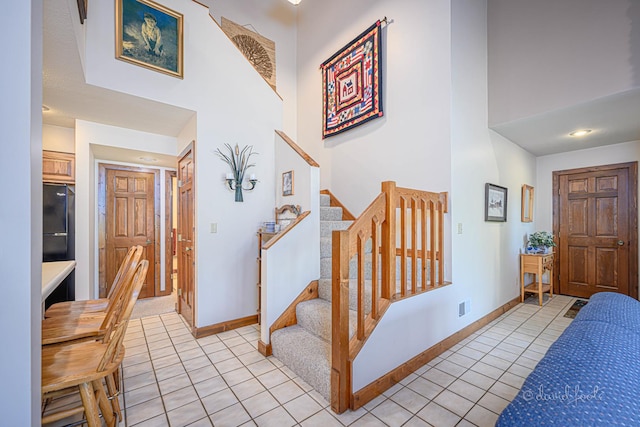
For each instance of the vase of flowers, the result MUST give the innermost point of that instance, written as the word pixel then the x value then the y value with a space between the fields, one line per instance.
pixel 540 242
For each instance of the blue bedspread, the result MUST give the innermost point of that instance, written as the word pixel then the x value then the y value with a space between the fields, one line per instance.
pixel 590 376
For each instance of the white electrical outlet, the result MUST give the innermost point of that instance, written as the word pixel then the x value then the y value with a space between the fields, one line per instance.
pixel 214 227
pixel 459 228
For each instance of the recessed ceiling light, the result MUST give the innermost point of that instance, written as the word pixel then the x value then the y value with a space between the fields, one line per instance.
pixel 296 2
pixel 147 159
pixel 581 132
pixel 45 108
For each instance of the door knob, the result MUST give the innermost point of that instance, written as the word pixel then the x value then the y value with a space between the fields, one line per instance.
pixel 187 249
pixel 148 242
pixel 620 243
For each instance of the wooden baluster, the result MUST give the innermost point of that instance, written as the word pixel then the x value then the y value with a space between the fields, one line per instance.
pixel 440 243
pixel 423 244
pixel 432 243
pixel 360 282
pixel 403 246
pixel 374 268
pixel 414 246
pixel 389 241
pixel 340 367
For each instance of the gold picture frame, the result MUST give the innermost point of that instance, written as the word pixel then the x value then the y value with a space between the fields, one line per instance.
pixel 527 203
pixel 150 35
pixel 287 183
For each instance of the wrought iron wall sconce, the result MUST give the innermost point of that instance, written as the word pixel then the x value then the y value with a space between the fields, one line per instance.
pixel 238 161
pixel 235 184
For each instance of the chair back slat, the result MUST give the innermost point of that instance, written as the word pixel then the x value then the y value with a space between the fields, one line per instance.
pixel 130 261
pixel 126 279
pixel 114 339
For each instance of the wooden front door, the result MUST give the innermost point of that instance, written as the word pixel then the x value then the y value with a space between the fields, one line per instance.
pixel 130 220
pixel 595 219
pixel 186 241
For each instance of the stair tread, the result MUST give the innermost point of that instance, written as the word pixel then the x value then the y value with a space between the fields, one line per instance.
pixel 315 316
pixel 330 213
pixel 305 354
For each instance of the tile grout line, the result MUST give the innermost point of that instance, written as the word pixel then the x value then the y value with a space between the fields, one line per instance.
pixel 513 325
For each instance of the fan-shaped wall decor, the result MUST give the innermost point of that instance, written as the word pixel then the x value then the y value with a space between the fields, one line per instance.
pixel 259 50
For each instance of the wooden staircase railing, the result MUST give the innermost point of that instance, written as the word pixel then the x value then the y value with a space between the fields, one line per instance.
pixel 401 224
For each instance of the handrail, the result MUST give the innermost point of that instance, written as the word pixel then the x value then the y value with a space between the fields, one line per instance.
pixel 334 202
pixel 399 226
pixel 279 236
pixel 307 158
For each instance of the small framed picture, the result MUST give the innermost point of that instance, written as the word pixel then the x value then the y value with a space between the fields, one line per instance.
pixel 495 203
pixel 527 203
pixel 287 183
pixel 149 35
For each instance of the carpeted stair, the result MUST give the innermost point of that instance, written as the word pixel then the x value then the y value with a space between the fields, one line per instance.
pixel 305 348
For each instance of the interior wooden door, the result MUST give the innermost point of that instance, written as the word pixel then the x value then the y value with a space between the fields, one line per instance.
pixel 597 230
pixel 186 241
pixel 130 220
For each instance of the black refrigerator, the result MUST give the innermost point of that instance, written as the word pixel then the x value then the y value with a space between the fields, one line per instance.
pixel 58 234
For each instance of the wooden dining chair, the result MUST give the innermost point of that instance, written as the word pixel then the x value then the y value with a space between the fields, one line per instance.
pixel 87 326
pixel 98 305
pixel 84 366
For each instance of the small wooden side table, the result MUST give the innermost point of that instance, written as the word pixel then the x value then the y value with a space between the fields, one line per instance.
pixel 263 237
pixel 536 264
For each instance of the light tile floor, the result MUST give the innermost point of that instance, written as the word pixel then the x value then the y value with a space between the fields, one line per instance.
pixel 172 379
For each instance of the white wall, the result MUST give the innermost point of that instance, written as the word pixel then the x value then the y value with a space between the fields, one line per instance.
pixel 234 105
pixel 275 20
pixel 21 214
pixel 294 261
pixel 546 165
pixel 485 254
pixel 79 29
pixel 487 276
pixel 288 267
pixel 410 144
pixel 547 54
pixel 58 138
pixel 288 160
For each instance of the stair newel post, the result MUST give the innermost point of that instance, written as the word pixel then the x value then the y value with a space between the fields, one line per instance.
pixel 340 365
pixel 389 241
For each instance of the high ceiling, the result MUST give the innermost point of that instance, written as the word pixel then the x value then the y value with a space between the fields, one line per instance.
pixel 613 119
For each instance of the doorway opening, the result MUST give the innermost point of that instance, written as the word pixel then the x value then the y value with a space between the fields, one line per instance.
pixel 135 207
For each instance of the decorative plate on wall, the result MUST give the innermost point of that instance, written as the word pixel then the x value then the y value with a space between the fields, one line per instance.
pixel 259 50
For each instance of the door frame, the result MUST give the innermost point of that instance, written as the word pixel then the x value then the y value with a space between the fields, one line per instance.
pixel 102 222
pixel 191 147
pixel 169 239
pixel 632 189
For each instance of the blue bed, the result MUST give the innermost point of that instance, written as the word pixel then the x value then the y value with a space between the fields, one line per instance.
pixel 591 375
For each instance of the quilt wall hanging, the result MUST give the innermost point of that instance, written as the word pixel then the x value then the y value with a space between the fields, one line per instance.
pixel 352 83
